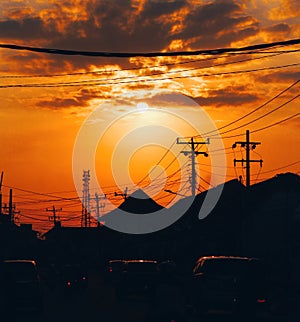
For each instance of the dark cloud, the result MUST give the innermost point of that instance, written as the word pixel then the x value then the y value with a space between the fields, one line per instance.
pixel 168 99
pixel 281 27
pixel 115 26
pixel 57 103
pixel 281 76
pixel 218 24
pixel 80 99
pixel 32 28
pixel 118 26
pixel 226 97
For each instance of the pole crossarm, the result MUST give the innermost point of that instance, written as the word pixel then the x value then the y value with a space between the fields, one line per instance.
pixel 244 160
pixel 178 141
pixel 251 143
pixel 194 152
pixel 123 195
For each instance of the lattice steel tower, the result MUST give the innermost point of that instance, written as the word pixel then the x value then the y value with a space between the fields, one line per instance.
pixel 85 215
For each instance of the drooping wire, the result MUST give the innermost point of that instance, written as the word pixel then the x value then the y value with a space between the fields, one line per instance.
pixel 264 127
pixel 262 116
pixel 150 79
pixel 217 51
pixel 254 110
pixel 111 71
pixel 160 160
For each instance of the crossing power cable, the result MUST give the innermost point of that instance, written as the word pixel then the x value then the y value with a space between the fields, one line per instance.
pixel 264 127
pixel 280 168
pixel 267 54
pixel 253 111
pixel 257 119
pixel 55 51
pixel 158 73
pixel 106 82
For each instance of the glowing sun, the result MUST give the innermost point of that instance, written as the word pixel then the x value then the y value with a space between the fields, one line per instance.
pixel 142 106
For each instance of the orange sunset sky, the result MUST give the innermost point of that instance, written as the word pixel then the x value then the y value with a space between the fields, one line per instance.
pixel 126 113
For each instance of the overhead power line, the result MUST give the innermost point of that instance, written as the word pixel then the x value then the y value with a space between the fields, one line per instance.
pixel 264 127
pixel 40 194
pixel 276 123
pixel 253 111
pixel 216 136
pixel 142 79
pixel 55 51
pixel 199 60
pixel 264 115
pixel 176 63
pixel 280 168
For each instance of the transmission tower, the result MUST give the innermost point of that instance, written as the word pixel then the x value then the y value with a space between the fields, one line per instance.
pixel 85 214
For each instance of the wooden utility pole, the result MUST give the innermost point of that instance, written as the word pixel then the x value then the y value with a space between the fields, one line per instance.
pixel 193 154
pixel 248 145
pixel 54 218
pixel 99 206
pixel 10 206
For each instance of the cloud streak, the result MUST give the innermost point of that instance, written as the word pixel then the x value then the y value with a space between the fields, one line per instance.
pixel 129 25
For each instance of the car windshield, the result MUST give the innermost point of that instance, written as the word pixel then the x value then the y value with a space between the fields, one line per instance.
pixel 19 270
pixel 143 267
pixel 227 266
pixel 117 265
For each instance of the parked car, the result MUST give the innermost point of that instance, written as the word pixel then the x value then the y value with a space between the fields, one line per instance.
pixel 113 270
pixel 20 285
pixel 135 277
pixel 234 284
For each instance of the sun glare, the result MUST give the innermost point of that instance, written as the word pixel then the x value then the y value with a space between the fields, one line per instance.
pixel 142 106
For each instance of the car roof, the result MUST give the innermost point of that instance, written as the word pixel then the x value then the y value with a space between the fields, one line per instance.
pixel 125 261
pixel 203 258
pixel 19 261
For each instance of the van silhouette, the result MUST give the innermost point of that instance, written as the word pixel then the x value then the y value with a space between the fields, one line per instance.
pixel 21 287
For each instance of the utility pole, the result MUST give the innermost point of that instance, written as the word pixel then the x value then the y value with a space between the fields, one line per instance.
pixel 248 145
pixel 54 218
pixel 193 153
pixel 10 205
pixel 99 206
pixel 123 195
pixel 10 209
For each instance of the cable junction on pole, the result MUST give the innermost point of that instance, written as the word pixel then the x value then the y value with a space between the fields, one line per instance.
pixel 248 145
pixel 193 153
